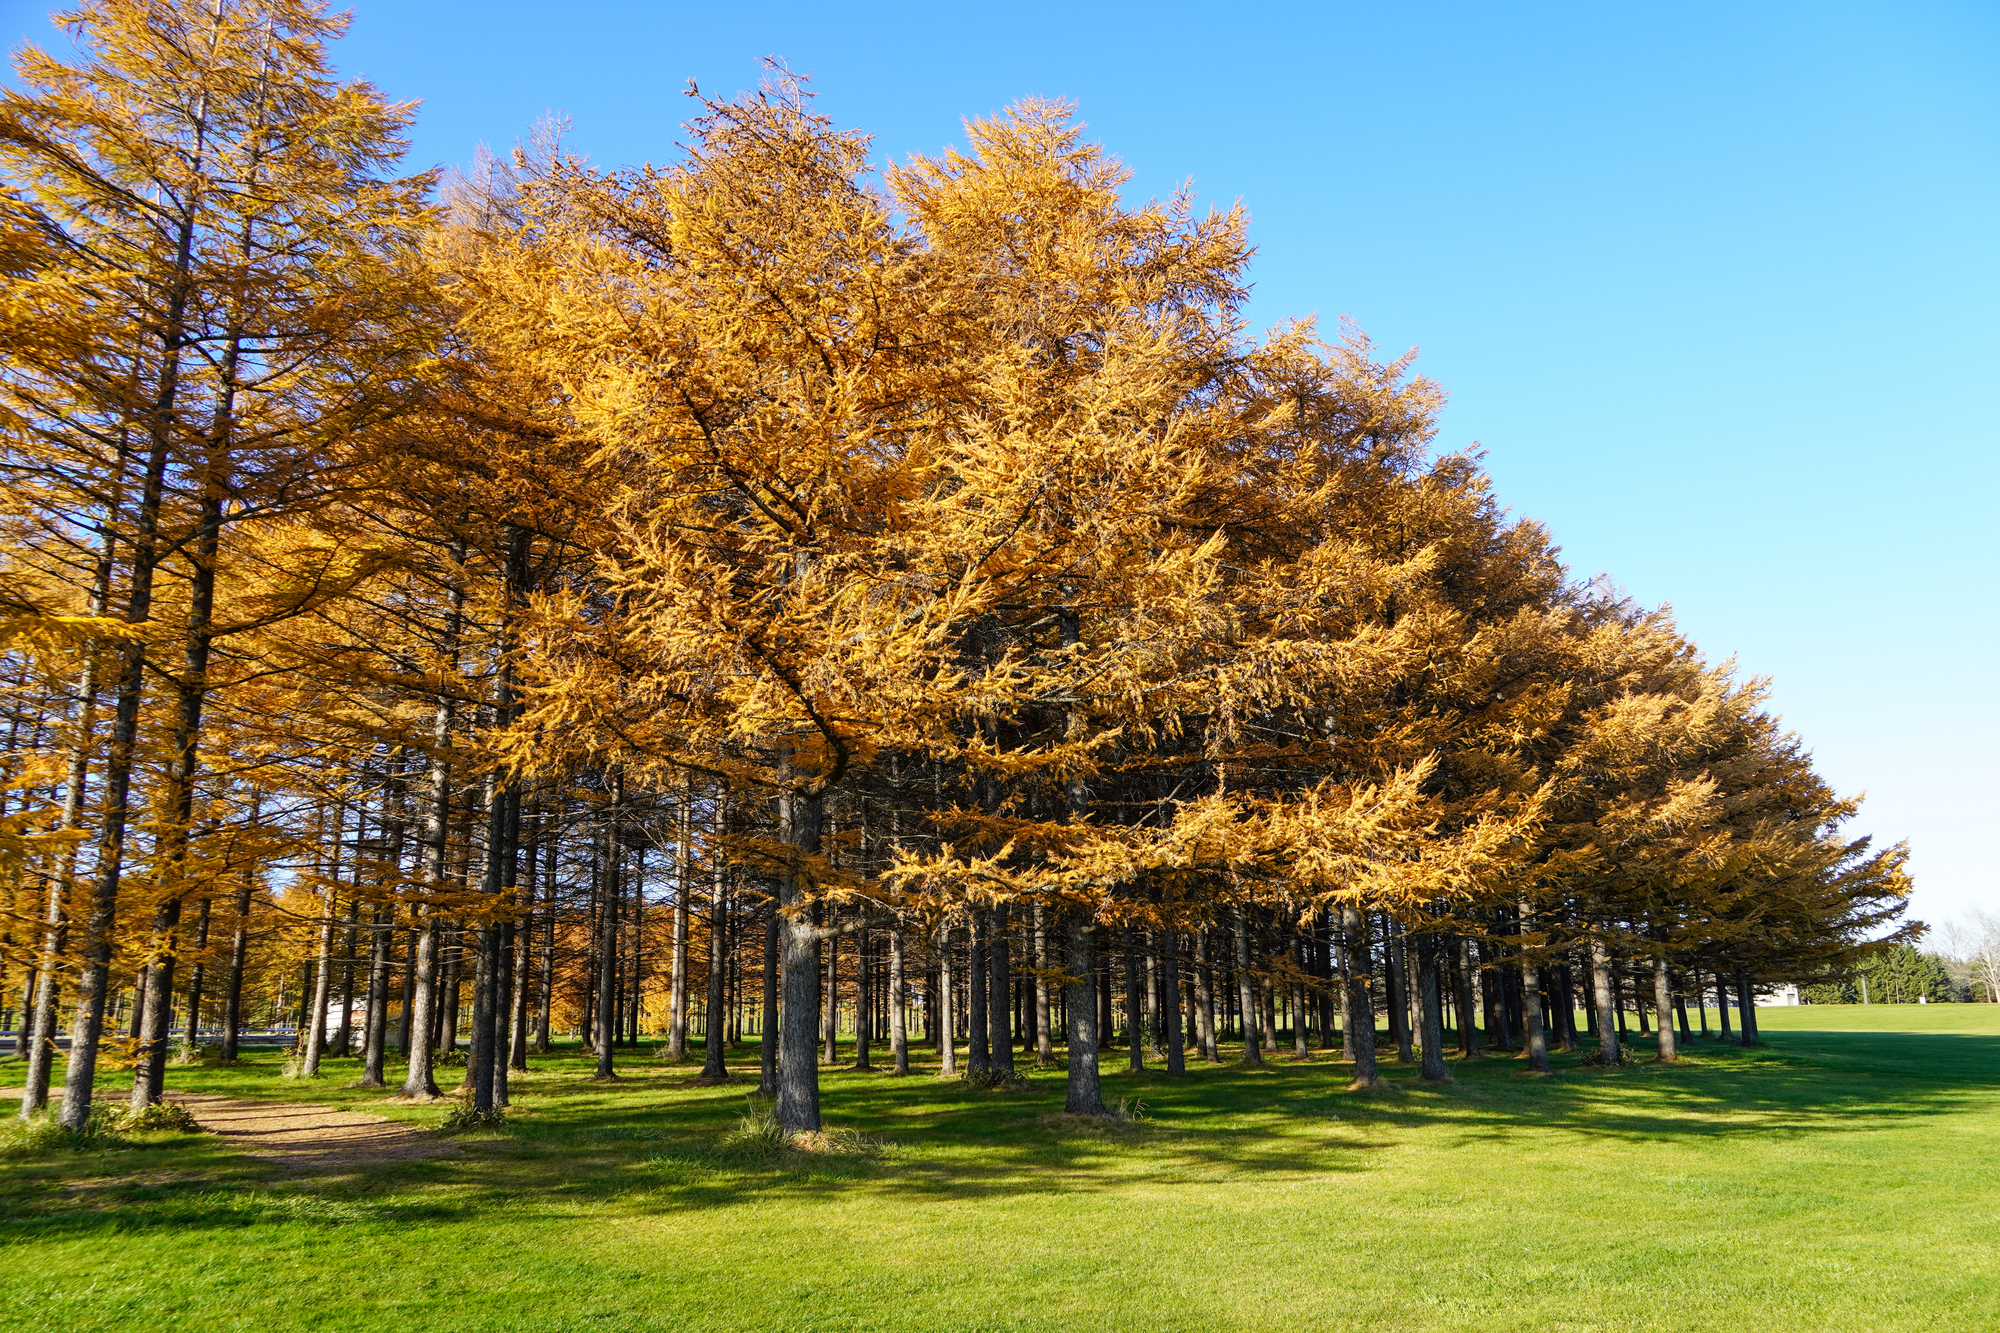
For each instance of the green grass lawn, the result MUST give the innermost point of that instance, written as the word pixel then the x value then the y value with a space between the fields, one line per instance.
pixel 1846 1176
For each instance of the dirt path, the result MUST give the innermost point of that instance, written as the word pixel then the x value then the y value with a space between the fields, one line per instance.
pixel 303 1137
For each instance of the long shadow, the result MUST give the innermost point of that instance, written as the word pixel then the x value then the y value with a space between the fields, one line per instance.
pixel 655 1144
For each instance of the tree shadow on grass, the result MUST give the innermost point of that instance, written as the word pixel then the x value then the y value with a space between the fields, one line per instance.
pixel 651 1144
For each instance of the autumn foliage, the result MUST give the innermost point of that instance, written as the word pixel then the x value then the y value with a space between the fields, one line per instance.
pixel 470 607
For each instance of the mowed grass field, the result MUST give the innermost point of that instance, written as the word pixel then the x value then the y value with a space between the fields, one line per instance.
pixel 1845 1176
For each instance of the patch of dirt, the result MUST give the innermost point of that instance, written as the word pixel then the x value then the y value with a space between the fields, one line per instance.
pixel 305 1138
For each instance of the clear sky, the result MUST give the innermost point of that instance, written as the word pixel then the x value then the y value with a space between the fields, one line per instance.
pixel 1714 285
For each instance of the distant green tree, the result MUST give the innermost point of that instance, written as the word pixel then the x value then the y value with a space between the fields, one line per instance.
pixel 1902 974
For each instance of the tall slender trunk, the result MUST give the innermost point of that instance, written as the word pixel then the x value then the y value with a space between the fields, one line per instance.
pixel 1360 1036
pixel 1134 1023
pixel 899 1037
pixel 1746 1005
pixel 1204 998
pixel 1170 999
pixel 718 956
pixel 1399 991
pixel 419 1081
pixel 94 976
pixel 767 1055
pixel 1246 989
pixel 524 934
pixel 191 1036
pixel 239 957
pixel 1600 984
pixel 677 1014
pixel 1000 987
pixel 602 1031
pixel 1300 1031
pixel 978 1060
pixel 375 1015
pixel 947 1021
pixel 39 1019
pixel 1430 1005
pixel 1534 1038
pixel 1084 1094
pixel 864 1002
pixel 801 817
pixel 1462 977
pixel 1663 1000
pixel 1045 1054
pixel 830 998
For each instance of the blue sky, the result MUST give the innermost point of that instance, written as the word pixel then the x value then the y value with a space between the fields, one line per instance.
pixel 1714 285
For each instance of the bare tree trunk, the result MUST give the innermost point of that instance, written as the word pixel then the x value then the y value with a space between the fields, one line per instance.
pixel 1663 1000
pixel 830 997
pixel 864 1002
pixel 899 1037
pixel 977 1059
pixel 1204 999
pixel 1607 1023
pixel 1000 986
pixel 677 1017
pixel 603 1032
pixel 801 818
pixel 1246 990
pixel 1359 1038
pixel 718 957
pixel 239 957
pixel 191 1036
pixel 1534 1040
pixel 375 1022
pixel 1170 998
pixel 767 1062
pixel 947 1033
pixel 1430 1005
pixel 1045 1054
pixel 1084 1094
pixel 1746 1005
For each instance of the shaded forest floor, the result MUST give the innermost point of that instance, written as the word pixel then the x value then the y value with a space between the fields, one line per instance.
pixel 1844 1176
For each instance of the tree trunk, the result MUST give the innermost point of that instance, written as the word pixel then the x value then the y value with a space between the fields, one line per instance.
pixel 1134 1022
pixel 375 1030
pixel 830 997
pixel 1360 1034
pixel 1045 1053
pixel 1204 1000
pixel 713 1067
pixel 1600 981
pixel 1462 977
pixel 947 1021
pixel 1663 999
pixel 767 1041
pixel 602 1031
pixel 1170 1000
pixel 1246 990
pixel 1083 1095
pixel 677 1017
pixel 239 957
pixel 864 1002
pixel 899 1037
pixel 978 1059
pixel 800 819
pixel 1746 1005
pixel 1534 1039
pixel 1431 1006
pixel 191 1036
pixel 1399 993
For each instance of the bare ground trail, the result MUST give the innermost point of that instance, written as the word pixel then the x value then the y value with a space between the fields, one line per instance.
pixel 303 1137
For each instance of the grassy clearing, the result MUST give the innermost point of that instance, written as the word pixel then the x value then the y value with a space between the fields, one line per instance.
pixel 1843 1177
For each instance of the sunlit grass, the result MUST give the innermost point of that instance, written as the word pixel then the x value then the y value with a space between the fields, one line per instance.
pixel 1841 1177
